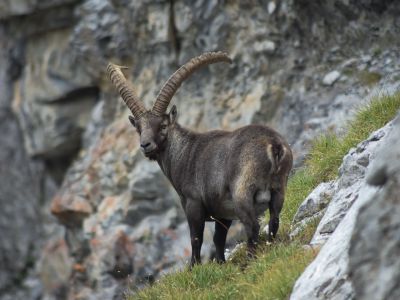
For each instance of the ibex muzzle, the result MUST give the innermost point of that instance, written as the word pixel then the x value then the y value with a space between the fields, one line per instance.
pixel 219 175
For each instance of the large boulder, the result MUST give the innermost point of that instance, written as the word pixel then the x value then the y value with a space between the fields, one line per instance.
pixel 374 263
pixel 328 275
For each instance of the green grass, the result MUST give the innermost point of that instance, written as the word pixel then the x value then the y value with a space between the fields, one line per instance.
pixel 369 78
pixel 299 186
pixel 364 77
pixel 272 274
pixel 328 150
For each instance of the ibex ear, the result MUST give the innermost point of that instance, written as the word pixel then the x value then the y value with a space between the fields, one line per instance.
pixel 172 114
pixel 132 120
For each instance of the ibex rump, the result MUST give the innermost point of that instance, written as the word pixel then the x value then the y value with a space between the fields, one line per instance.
pixel 219 175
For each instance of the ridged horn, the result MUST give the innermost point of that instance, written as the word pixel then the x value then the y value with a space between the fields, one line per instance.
pixel 174 82
pixel 127 93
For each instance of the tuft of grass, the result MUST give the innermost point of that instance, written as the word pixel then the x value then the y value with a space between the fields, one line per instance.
pixel 368 78
pixel 377 51
pixel 272 274
pixel 365 77
pixel 325 157
pixel 275 273
pixel 299 186
pixel 190 284
pixel 305 235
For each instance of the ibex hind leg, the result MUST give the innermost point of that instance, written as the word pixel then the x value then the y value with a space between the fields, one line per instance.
pixel 275 207
pixel 244 208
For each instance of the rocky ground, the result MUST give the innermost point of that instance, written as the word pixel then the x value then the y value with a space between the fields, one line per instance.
pixel 67 146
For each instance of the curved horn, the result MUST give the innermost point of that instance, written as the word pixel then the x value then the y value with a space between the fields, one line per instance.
pixel 175 81
pixel 127 93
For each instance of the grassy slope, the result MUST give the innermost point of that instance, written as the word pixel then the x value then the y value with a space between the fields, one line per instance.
pixel 273 273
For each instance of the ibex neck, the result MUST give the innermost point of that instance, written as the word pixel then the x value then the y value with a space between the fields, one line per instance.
pixel 179 143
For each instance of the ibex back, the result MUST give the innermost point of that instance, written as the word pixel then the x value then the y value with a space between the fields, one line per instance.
pixel 219 175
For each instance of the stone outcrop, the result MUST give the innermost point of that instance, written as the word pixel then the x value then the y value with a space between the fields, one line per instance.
pixel 120 221
pixel 343 237
pixel 313 207
pixel 58 97
pixel 374 264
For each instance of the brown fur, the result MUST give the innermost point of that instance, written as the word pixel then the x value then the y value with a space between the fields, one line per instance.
pixel 220 175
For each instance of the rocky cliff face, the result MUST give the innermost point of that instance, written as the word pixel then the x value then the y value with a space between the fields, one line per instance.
pixel 66 144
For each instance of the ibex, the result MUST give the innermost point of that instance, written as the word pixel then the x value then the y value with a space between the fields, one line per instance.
pixel 219 175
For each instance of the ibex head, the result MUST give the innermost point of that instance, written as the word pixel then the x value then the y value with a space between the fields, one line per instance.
pixel 153 125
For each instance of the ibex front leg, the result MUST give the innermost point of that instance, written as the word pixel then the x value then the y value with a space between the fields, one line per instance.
pixel 195 214
pixel 221 230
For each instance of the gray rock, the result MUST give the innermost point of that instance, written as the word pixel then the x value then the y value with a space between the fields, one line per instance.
pixel 148 182
pixel 349 62
pixel 366 58
pixel 19 197
pixel 55 98
pixel 299 226
pixel 374 263
pixel 349 183
pixel 313 207
pixel 265 46
pixel 318 199
pixel 330 115
pixel 271 7
pixel 327 277
pixel 12 8
pixel 331 77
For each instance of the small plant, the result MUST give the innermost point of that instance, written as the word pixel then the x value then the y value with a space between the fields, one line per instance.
pixel 369 78
pixel 376 51
pixel 365 77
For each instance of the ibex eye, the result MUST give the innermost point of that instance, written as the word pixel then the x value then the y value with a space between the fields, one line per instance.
pixel 163 127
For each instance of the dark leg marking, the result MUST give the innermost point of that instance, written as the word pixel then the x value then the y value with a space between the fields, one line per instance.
pixel 275 207
pixel 195 214
pixel 221 230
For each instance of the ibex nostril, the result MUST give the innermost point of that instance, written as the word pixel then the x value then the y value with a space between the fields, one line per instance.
pixel 144 146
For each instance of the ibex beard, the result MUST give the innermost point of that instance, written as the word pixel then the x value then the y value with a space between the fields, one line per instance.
pixel 218 175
